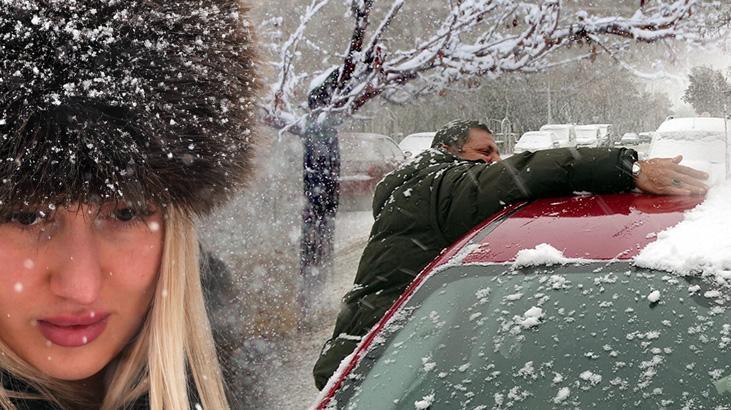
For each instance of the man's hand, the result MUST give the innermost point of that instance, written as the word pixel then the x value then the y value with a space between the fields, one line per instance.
pixel 665 176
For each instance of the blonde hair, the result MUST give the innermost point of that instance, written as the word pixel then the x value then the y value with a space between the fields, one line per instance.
pixel 175 340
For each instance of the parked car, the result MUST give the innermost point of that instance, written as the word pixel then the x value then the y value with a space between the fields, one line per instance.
pixel 415 144
pixel 587 135
pixel 364 159
pixel 565 133
pixel 646 137
pixel 479 328
pixel 607 136
pixel 535 141
pixel 630 138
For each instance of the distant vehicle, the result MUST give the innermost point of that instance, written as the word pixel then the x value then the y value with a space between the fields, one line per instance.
pixel 415 144
pixel 565 133
pixel 475 331
pixel 607 137
pixel 630 138
pixel 364 159
pixel 700 140
pixel 587 135
pixel 535 141
pixel 646 137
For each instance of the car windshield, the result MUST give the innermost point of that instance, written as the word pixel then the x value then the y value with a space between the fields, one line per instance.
pixel 586 133
pixel 586 336
pixel 561 132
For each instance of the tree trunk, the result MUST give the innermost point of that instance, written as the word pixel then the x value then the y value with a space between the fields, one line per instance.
pixel 321 169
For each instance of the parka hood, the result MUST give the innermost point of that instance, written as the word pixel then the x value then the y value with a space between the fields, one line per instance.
pixel 432 159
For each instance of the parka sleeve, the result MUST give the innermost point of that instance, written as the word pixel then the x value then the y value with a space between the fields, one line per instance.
pixel 468 194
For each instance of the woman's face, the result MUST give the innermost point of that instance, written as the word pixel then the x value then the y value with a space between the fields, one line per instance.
pixel 76 285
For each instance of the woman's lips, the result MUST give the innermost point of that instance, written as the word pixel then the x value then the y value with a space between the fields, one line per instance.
pixel 73 331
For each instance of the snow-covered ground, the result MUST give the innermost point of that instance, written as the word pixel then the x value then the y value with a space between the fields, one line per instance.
pixel 288 381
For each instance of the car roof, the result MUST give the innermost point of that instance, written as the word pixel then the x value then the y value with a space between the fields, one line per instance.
pixel 595 227
pixel 692 123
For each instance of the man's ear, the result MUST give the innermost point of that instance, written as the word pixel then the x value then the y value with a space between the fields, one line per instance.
pixel 449 149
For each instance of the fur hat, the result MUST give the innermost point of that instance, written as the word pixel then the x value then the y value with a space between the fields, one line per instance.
pixel 124 100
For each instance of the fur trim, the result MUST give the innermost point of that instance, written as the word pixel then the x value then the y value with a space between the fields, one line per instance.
pixel 132 100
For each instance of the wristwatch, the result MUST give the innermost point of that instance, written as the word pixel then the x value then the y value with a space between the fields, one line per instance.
pixel 636 169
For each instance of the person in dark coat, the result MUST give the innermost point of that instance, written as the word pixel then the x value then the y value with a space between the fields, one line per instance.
pixel 431 201
pixel 122 123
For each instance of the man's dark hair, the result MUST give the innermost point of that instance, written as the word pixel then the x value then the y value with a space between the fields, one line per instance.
pixel 455 133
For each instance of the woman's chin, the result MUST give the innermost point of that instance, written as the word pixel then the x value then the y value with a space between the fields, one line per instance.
pixel 70 364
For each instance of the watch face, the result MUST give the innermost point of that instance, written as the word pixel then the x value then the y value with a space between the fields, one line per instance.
pixel 636 169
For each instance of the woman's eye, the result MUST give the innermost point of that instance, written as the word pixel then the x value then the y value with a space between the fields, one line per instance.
pixel 125 214
pixel 26 218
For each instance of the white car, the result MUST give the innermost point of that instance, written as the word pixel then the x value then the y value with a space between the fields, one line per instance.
pixel 629 138
pixel 535 141
pixel 587 135
pixel 415 144
pixel 565 133
pixel 606 134
pixel 646 137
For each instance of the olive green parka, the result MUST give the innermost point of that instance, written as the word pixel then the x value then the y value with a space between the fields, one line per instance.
pixel 430 202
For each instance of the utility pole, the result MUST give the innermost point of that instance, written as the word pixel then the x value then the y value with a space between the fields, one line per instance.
pixel 550 118
pixel 726 94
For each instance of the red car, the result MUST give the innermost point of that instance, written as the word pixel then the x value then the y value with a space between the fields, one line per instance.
pixel 365 159
pixel 476 330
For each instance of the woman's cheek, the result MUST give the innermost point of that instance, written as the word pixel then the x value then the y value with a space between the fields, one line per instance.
pixel 17 273
pixel 136 265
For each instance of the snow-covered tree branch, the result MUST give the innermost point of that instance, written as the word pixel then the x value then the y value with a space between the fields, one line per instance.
pixel 475 39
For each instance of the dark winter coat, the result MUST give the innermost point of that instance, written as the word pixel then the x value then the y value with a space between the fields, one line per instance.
pixel 217 284
pixel 427 204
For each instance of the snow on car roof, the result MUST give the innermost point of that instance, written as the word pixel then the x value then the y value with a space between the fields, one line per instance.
pixel 596 227
pixel 692 124
pixel 678 249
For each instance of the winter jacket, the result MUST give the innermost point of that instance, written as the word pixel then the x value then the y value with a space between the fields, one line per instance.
pixel 430 202
pixel 217 283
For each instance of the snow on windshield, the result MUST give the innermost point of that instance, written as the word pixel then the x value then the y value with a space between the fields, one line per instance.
pixel 700 243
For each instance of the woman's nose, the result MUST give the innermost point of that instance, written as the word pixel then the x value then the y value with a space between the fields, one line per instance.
pixel 76 271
